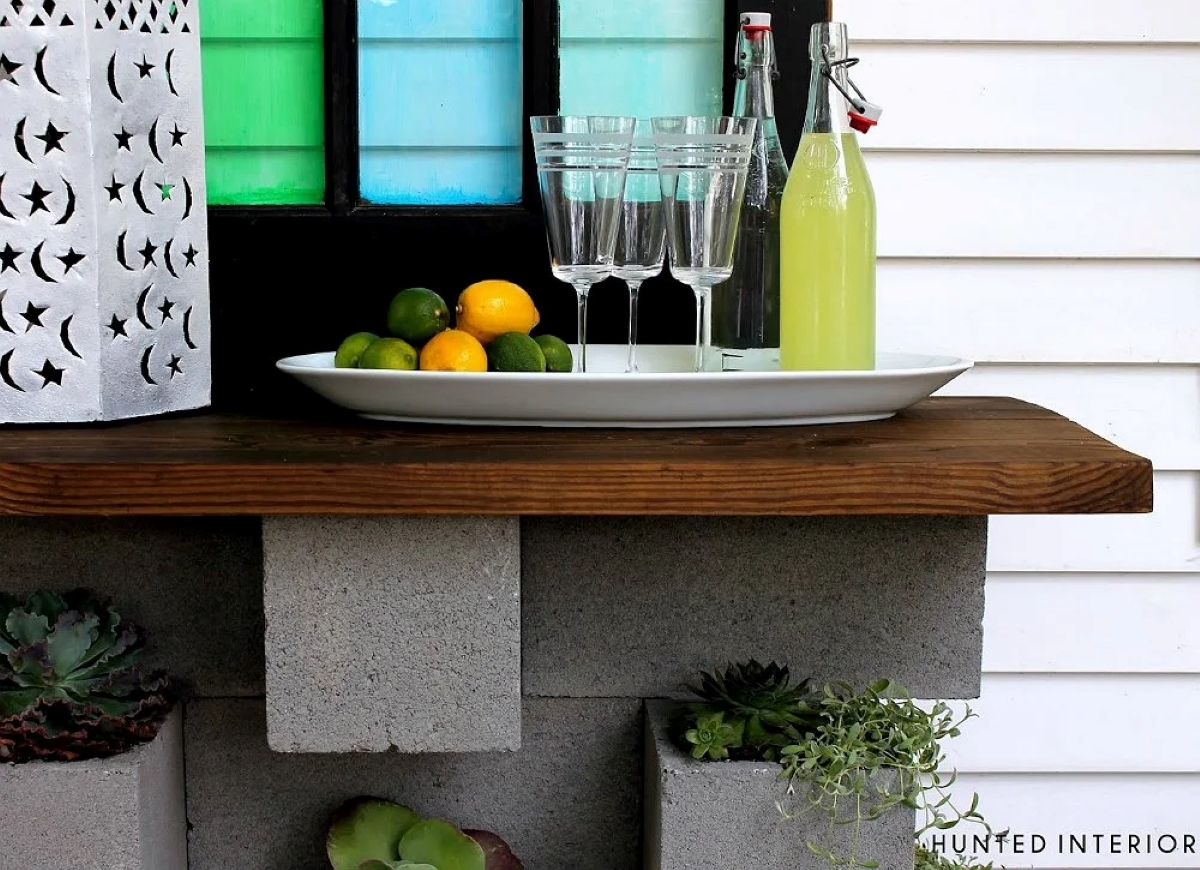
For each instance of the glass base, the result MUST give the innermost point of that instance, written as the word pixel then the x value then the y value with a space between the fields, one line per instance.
pixel 725 359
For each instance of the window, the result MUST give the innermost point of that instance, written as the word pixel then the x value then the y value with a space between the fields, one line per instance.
pixel 358 147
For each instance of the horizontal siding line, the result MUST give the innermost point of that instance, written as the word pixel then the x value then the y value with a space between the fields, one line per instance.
pixel 250 146
pixel 1036 43
pixel 499 149
pixel 1088 675
pixel 640 40
pixel 259 40
pixel 1029 152
pixel 1101 576
pixel 1032 258
pixel 438 40
pixel 1081 774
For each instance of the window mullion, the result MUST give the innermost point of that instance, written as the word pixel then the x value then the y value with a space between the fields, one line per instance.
pixel 341 105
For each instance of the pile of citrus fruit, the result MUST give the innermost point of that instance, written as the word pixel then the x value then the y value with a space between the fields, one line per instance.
pixel 492 323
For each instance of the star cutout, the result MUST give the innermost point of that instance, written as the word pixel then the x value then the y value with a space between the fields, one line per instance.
pixel 7 68
pixel 148 254
pixel 33 315
pixel 50 374
pixel 173 365
pixel 70 259
pixel 177 136
pixel 37 198
pixel 165 308
pixel 144 67
pixel 52 137
pixel 114 190
pixel 123 139
pixel 165 189
pixel 8 258
pixel 189 255
pixel 117 325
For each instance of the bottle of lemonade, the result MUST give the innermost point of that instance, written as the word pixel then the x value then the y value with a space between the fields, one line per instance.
pixel 827 228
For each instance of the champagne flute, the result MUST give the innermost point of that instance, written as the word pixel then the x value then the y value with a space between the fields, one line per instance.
pixel 581 163
pixel 641 236
pixel 702 165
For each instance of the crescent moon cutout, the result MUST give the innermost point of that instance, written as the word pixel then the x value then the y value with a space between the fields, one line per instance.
pixel 141 309
pixel 146 366
pixel 167 258
pixel 19 140
pixel 187 329
pixel 4 323
pixel 5 363
pixel 3 208
pixel 36 259
pixel 112 78
pixel 39 69
pixel 170 81
pixel 137 193
pixel 152 139
pixel 121 252
pixel 187 199
pixel 70 209
pixel 65 335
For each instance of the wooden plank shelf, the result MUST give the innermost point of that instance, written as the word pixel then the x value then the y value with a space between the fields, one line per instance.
pixel 945 456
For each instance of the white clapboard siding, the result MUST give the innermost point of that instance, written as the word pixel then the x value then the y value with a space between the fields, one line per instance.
pixel 1120 803
pixel 1151 410
pixel 1032 97
pixel 1081 723
pixel 1092 623
pixel 1037 205
pixel 1108 311
pixel 1069 21
pixel 1167 540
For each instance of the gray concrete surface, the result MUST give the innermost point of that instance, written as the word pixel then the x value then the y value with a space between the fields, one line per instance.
pixel 392 634
pixel 120 813
pixel 195 584
pixel 634 607
pixel 570 798
pixel 721 815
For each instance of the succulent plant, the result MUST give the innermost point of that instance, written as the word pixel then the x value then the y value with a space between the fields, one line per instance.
pixel 70 684
pixel 377 834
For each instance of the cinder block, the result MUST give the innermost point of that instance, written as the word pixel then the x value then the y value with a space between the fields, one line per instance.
pixel 717 815
pixel 393 634
pixel 634 607
pixel 195 584
pixel 119 813
pixel 570 798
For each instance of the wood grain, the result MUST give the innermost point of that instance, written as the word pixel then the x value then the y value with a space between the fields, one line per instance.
pixel 950 456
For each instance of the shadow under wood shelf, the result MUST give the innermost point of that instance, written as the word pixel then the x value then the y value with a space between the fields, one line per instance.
pixel 945 456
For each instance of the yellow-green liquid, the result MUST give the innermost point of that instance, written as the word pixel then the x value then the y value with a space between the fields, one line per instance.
pixel 827 275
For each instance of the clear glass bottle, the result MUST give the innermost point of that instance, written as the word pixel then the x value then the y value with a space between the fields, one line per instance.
pixel 745 309
pixel 827 278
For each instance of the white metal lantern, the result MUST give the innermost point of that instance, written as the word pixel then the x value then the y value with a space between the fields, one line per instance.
pixel 103 230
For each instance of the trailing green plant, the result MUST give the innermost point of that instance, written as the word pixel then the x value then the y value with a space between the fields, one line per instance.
pixel 927 859
pixel 70 682
pixel 368 833
pixel 849 756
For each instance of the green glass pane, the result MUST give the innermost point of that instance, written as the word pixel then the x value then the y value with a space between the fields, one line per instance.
pixel 613 50
pixel 264 117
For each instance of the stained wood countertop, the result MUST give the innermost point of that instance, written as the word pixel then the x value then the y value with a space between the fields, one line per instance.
pixel 945 456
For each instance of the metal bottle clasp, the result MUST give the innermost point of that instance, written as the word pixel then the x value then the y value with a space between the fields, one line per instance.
pixel 863 113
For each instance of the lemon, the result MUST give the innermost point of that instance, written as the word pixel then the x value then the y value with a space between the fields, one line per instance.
pixel 389 353
pixel 453 351
pixel 515 352
pixel 492 308
pixel 417 314
pixel 557 353
pixel 351 349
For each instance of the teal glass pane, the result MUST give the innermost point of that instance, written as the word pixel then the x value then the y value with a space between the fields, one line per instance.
pixel 440 111
pixel 641 58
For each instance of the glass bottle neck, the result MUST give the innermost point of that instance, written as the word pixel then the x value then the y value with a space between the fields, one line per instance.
pixel 827 109
pixel 754 96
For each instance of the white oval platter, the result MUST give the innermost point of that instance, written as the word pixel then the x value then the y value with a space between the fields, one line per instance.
pixel 664 394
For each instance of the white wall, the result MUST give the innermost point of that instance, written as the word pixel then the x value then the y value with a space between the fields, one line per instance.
pixel 1038 174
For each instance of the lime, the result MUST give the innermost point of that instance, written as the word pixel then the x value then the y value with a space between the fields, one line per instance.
pixel 557 353
pixel 389 353
pixel 351 349
pixel 515 352
pixel 417 315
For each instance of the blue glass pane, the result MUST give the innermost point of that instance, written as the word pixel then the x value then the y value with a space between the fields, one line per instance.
pixel 440 115
pixel 633 57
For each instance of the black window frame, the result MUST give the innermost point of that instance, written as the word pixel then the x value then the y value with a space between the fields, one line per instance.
pixel 295 279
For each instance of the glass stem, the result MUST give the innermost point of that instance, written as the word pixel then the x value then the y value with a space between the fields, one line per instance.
pixel 634 286
pixel 702 326
pixel 581 295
